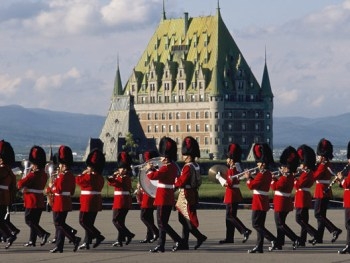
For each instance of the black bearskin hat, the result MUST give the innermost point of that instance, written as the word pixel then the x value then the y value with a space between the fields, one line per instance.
pixel 263 153
pixel 190 147
pixel 96 160
pixel 124 160
pixel 6 153
pixel 325 149
pixel 290 159
pixel 348 153
pixel 234 152
pixel 37 156
pixel 307 156
pixel 148 155
pixel 168 148
pixel 64 155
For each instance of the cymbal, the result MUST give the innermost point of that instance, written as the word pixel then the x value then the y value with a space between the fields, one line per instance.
pixel 215 169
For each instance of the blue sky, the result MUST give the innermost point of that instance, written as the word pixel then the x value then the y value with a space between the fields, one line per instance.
pixel 62 54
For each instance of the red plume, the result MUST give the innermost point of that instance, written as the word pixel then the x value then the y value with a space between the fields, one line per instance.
pixel 257 151
pixel 188 143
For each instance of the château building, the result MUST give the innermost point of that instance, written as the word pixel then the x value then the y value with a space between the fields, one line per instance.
pixel 192 79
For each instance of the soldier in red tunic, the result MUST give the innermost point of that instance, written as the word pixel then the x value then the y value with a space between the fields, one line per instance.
pixel 91 183
pixel 33 185
pixel 165 200
pixel 260 185
pixel 188 183
pixel 63 188
pixel 303 198
pixel 345 183
pixel 7 191
pixel 322 195
pixel 121 180
pixel 147 206
pixel 233 195
pixel 282 201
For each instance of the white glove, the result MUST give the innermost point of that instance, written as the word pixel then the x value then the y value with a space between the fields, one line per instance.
pixel 218 175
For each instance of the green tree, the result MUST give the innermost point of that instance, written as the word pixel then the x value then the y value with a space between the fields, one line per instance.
pixel 130 145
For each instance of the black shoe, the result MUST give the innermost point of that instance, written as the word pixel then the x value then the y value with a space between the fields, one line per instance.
pixel 84 246
pixel 275 246
pixel 246 235
pixel 99 239
pixel 146 240
pixel 256 250
pixel 10 240
pixel 336 234
pixel 157 249
pixel 44 239
pixel 29 244
pixel 225 241
pixel 74 232
pixel 56 250
pixel 76 243
pixel 155 237
pixel 345 250
pixel 296 243
pixel 117 244
pixel 129 238
pixel 15 232
pixel 302 244
pixel 179 246
pixel 52 241
pixel 200 242
pixel 315 241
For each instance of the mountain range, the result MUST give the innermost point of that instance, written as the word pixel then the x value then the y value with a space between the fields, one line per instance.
pixel 25 127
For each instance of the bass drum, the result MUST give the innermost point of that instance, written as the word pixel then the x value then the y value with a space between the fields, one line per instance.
pixel 148 185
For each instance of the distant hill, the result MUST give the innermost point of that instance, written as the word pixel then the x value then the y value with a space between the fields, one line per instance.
pixel 24 127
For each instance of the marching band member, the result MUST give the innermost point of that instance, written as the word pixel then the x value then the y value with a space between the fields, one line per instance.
pixel 303 197
pixel 33 185
pixel 282 201
pixel 188 183
pixel 322 176
pixel 345 183
pixel 164 200
pixel 233 196
pixel 63 188
pixel 121 180
pixel 260 185
pixel 91 183
pixel 7 192
pixel 147 207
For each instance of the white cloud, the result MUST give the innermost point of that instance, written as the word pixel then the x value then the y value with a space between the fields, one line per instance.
pixel 318 101
pixel 9 85
pixel 287 97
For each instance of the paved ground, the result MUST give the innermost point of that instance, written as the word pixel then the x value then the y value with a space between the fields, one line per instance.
pixel 212 224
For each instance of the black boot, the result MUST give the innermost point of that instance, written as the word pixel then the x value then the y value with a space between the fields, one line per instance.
pixel 256 249
pixel 345 250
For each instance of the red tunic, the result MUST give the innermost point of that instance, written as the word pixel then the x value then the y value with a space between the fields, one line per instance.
pixel 183 181
pixel 146 201
pixel 346 185
pixel 33 183
pixel 260 186
pixel 232 193
pixel 91 186
pixel 322 176
pixel 166 177
pixel 282 200
pixel 122 188
pixel 303 198
pixel 63 188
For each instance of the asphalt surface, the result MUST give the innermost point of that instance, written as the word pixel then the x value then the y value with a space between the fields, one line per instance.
pixel 212 224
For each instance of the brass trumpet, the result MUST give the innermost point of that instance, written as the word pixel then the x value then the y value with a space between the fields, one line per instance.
pixel 335 177
pixel 252 171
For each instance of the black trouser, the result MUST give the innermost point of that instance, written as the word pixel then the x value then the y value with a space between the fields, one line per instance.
pixel 147 218
pixel 4 230
pixel 282 228
pixel 233 222
pixel 302 218
pixel 32 218
pixel 258 220
pixel 87 221
pixel 163 215
pixel 118 220
pixel 187 228
pixel 321 206
pixel 62 229
pixel 347 225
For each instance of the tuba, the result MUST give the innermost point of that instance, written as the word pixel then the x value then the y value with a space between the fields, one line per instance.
pixel 149 186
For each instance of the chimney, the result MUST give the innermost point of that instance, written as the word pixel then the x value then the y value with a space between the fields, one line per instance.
pixel 186 23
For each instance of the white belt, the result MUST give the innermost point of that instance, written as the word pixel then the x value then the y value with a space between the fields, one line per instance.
pixel 235 186
pixel 84 192
pixel 4 187
pixel 282 194
pixel 35 191
pixel 304 189
pixel 63 193
pixel 187 187
pixel 121 193
pixel 258 192
pixel 167 186
pixel 322 181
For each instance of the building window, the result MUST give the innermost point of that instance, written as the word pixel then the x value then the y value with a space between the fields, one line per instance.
pixel 206 115
pixel 268 127
pixel 244 140
pixel 163 128
pixel 257 114
pixel 207 127
pixel 257 126
pixel 244 127
pixel 170 115
pixel 177 115
pixel 268 115
pixel 188 127
pixel 188 115
pixel 197 115
pixel 206 141
pixel 216 115
pixel 230 139
pixel 156 128
pixel 163 116
pixel 149 116
pixel 149 129
pixel 156 116
pixel 244 114
pixel 177 128
pixel 230 127
pixel 197 127
pixel 216 141
pixel 197 139
pixel 171 128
